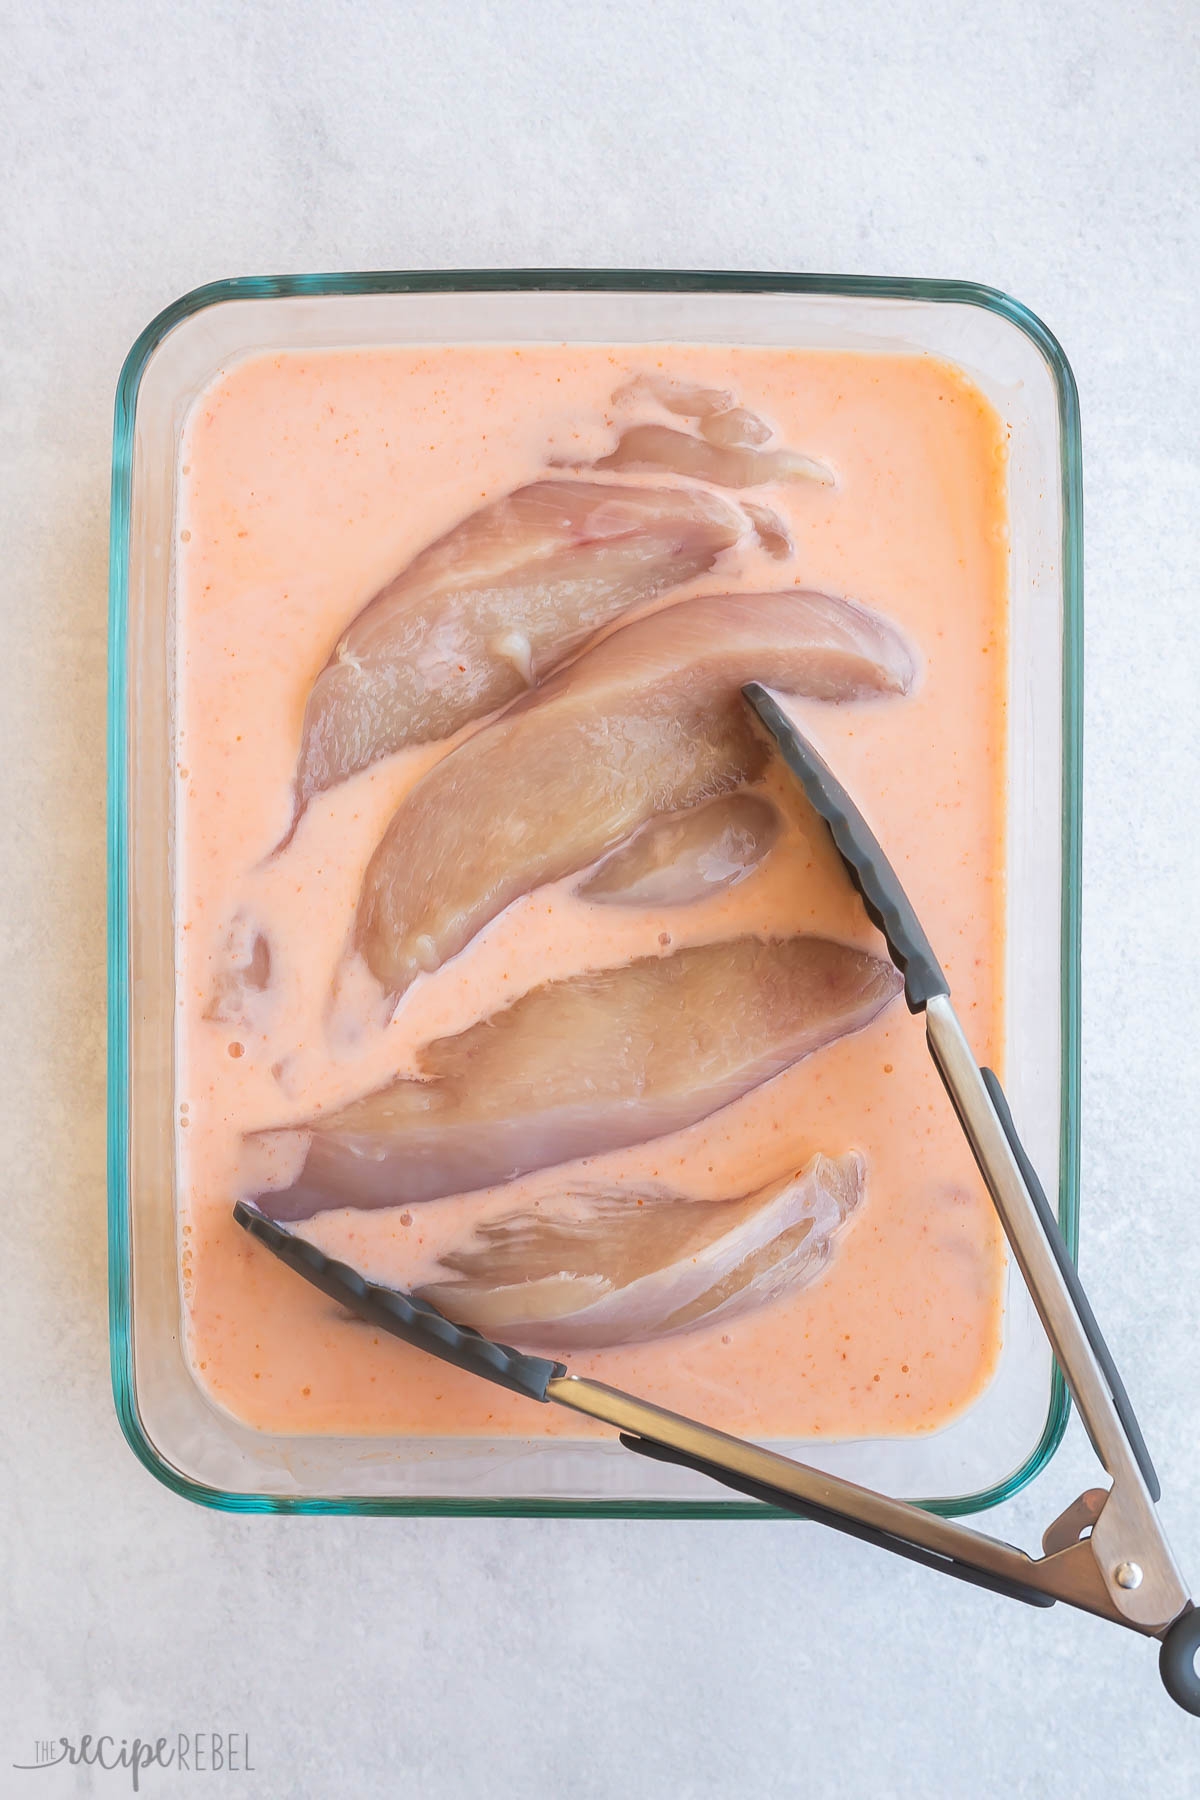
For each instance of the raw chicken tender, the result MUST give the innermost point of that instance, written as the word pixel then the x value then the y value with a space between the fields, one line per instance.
pixel 489 608
pixel 602 1268
pixel 240 990
pixel 589 1064
pixel 650 721
pixel 687 856
pixel 662 448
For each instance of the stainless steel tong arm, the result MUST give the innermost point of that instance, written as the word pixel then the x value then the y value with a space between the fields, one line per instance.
pixel 1132 1556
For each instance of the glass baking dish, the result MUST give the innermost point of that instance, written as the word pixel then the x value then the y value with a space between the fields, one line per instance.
pixel 1008 1434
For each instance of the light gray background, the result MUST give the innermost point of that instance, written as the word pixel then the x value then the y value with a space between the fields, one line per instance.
pixel 1050 149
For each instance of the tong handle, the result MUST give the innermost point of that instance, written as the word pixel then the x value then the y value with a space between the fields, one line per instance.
pixel 1074 1286
pixel 837 1521
pixel 1177 1660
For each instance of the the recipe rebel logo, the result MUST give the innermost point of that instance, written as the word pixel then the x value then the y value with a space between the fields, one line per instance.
pixel 193 1753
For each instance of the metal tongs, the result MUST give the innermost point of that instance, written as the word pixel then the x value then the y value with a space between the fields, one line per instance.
pixel 1106 1554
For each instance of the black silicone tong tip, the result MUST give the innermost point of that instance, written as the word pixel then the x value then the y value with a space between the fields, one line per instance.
pixel 871 872
pixel 402 1315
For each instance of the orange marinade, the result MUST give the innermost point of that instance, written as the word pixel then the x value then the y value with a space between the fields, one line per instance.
pixel 307 482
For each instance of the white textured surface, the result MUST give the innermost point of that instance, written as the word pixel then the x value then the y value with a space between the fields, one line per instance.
pixel 1050 149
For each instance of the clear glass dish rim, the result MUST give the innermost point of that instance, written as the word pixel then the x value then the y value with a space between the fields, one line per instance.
pixel 594 280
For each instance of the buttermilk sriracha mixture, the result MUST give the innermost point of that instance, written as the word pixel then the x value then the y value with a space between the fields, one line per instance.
pixel 513 970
